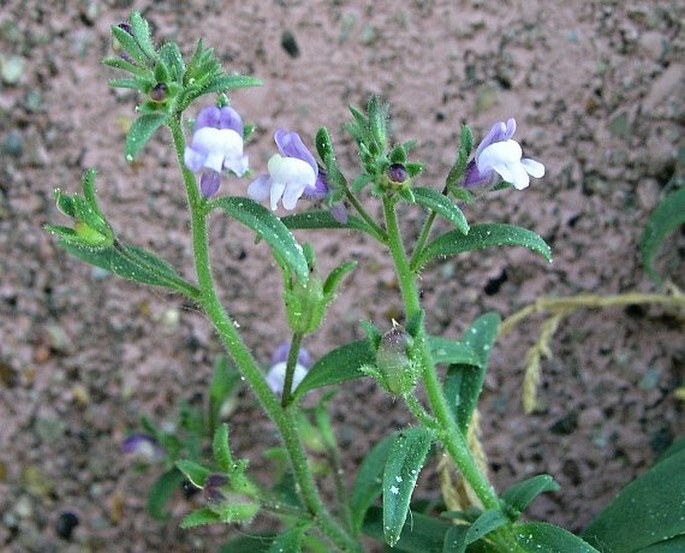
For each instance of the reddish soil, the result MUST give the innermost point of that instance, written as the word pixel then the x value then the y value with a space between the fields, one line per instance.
pixel 597 90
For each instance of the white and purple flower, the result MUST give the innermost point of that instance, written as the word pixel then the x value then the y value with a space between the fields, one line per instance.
pixel 143 448
pixel 293 173
pixel 275 377
pixel 498 157
pixel 217 144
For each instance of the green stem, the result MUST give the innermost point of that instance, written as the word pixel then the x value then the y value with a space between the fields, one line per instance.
pixel 291 364
pixel 379 232
pixel 242 357
pixel 423 236
pixel 450 435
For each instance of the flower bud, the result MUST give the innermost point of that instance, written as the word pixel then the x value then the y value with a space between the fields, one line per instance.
pixel 159 92
pixel 397 174
pixel 305 305
pixel 90 236
pixel 392 358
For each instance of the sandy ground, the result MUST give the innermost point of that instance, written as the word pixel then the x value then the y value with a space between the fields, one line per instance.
pixel 597 89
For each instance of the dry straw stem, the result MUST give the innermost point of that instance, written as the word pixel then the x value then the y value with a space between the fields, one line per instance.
pixel 562 307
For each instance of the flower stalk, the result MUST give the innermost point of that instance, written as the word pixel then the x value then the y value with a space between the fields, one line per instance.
pixel 240 354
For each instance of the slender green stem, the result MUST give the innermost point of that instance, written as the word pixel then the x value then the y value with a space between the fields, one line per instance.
pixel 419 411
pixel 423 236
pixel 242 357
pixel 450 435
pixel 380 233
pixel 291 364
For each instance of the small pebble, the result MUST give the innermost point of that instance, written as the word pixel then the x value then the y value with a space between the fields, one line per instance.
pixel 11 69
pixel 65 524
pixel 289 44
pixel 13 144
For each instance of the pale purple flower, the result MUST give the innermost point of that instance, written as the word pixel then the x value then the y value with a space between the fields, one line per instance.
pixel 275 377
pixel 217 144
pixel 143 447
pixel 498 157
pixel 293 173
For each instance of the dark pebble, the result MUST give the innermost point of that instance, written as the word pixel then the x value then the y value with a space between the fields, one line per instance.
pixel 289 44
pixel 65 524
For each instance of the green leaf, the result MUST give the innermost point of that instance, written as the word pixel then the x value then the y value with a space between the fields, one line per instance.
pixel 444 350
pixel 141 32
pixel 160 493
pixel 324 144
pixel 677 446
pixel 194 472
pixel 645 512
pixel 120 63
pixel 463 383
pixel 368 485
pixel 487 522
pixel 459 167
pixel 313 220
pixel 130 45
pixel 442 205
pixel 141 132
pixel 674 545
pixel 337 274
pixel 666 217
pixel 402 467
pixel 224 381
pixel 289 541
pixel 541 537
pixel 221 449
pixel 200 517
pixel 171 57
pixel 424 535
pixel 337 366
pixel 132 263
pixel 483 236
pixel 455 539
pixel 258 543
pixel 519 495
pixel 286 251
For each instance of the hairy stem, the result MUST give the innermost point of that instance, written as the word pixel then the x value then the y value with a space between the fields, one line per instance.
pixel 291 364
pixel 242 357
pixel 449 434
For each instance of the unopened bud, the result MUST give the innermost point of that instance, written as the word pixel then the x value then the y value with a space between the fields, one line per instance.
pixel 158 93
pixel 392 359
pixel 397 173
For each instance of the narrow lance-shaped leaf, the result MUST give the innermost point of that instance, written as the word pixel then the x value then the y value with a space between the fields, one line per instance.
pixel 289 541
pixel 482 236
pixel 141 131
pixel 402 467
pixel 540 536
pixel 518 496
pixel 160 493
pixel 425 534
pixel 221 448
pixel 313 220
pixel 444 350
pixel 287 252
pixel 368 484
pixel 668 215
pixel 443 206
pixel 132 263
pixel 337 366
pixel 197 474
pixel 463 383
pixel 648 510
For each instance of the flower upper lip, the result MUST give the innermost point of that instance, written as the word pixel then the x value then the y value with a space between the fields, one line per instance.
pixel 498 156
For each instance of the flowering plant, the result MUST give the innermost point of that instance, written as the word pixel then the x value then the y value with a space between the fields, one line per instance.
pixel 438 378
